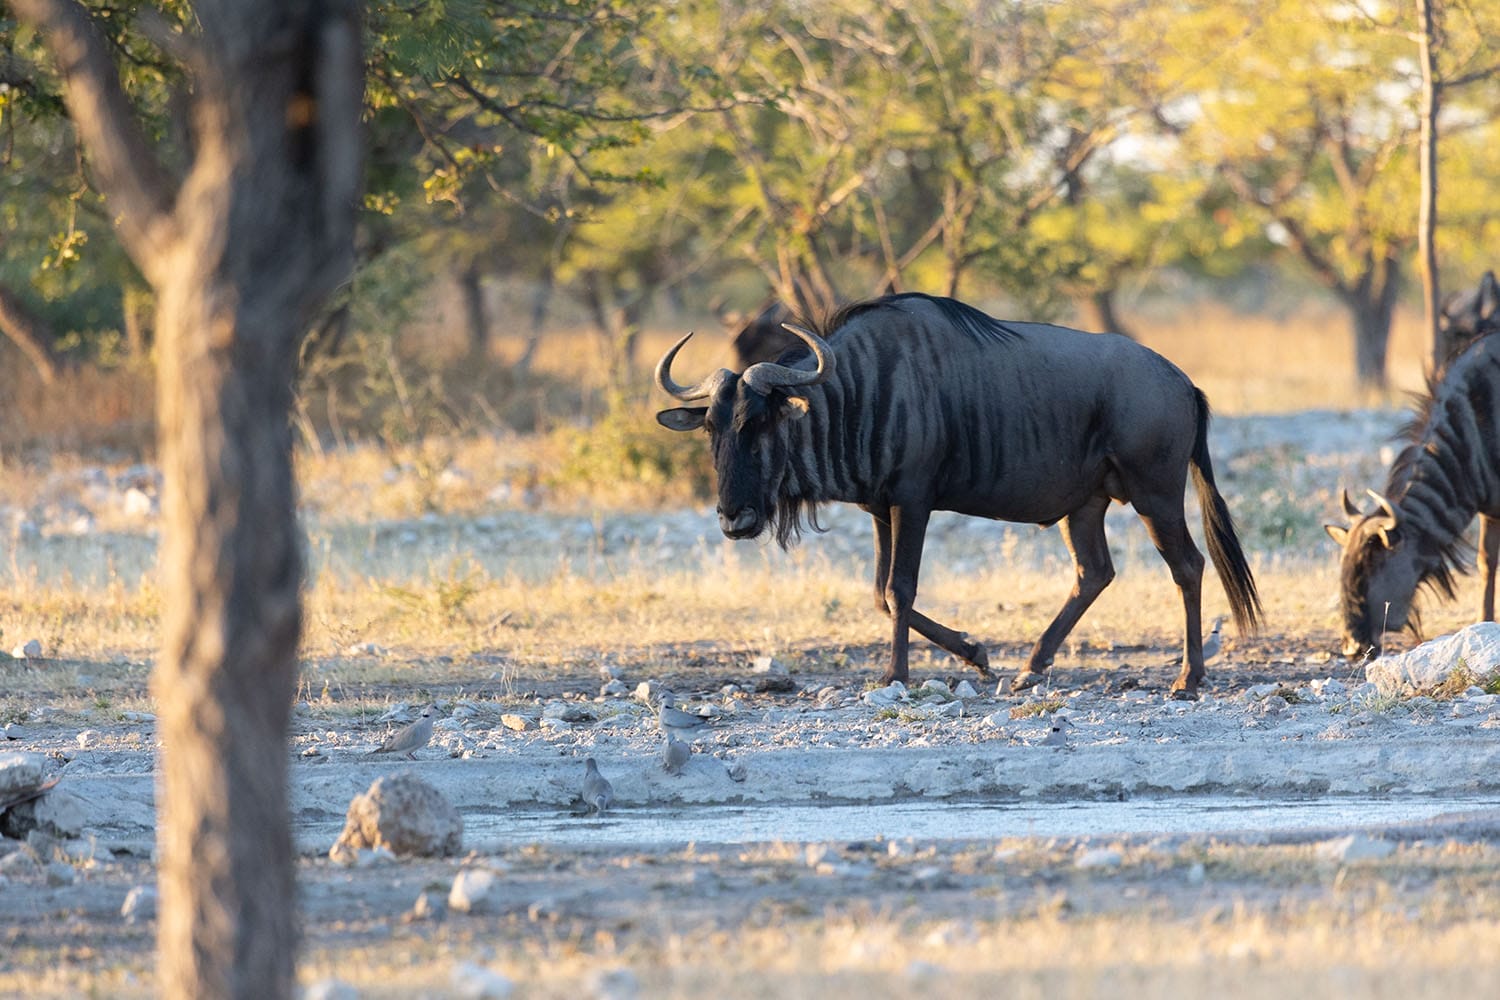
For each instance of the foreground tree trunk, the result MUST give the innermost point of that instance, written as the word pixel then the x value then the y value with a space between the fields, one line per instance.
pixel 240 255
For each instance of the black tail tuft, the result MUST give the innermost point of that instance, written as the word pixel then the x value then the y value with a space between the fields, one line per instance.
pixel 1218 530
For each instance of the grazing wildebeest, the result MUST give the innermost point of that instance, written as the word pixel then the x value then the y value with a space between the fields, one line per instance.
pixel 1448 471
pixel 908 404
pixel 1466 316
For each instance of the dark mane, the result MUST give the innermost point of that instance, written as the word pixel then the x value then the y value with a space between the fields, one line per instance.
pixel 1443 559
pixel 979 325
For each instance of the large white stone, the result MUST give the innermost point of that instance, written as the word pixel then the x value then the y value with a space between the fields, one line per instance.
pixel 1475 649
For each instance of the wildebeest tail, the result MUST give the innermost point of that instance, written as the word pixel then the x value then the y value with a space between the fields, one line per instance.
pixel 1218 530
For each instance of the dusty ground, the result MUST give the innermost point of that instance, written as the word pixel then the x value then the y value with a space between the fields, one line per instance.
pixel 1171 910
pixel 828 870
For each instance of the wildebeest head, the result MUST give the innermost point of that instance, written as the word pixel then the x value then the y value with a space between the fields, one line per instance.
pixel 1469 315
pixel 1379 575
pixel 745 416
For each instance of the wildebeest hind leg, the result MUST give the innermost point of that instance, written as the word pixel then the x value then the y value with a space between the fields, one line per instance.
pixel 1083 531
pixel 1169 533
pixel 941 635
pixel 1489 554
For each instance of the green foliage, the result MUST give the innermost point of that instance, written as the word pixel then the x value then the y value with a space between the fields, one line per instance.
pixel 628 451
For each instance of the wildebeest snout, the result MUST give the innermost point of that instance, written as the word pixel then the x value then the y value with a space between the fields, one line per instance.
pixel 743 524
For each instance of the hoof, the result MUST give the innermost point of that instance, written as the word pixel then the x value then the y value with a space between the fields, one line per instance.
pixel 1027 679
pixel 1184 694
pixel 981 661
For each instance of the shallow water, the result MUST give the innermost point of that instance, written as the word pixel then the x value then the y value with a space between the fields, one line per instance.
pixel 954 821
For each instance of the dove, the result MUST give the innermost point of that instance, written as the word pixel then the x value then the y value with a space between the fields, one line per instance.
pixel 669 717
pixel 1213 641
pixel 675 754
pixel 409 739
pixel 597 791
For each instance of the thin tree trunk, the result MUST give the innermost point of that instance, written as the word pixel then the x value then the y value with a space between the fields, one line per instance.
pixel 30 333
pixel 541 302
pixel 471 288
pixel 1100 313
pixel 1427 213
pixel 1372 305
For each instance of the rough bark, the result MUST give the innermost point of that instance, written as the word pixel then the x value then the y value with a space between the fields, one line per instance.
pixel 240 254
pixel 30 333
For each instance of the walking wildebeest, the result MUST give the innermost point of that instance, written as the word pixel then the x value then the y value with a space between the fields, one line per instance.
pixel 1448 471
pixel 908 404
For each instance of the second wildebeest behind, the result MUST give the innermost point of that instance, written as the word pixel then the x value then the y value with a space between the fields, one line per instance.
pixel 1448 471
pixel 909 404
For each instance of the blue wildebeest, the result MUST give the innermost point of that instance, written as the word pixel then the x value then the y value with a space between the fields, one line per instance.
pixel 1448 471
pixel 908 404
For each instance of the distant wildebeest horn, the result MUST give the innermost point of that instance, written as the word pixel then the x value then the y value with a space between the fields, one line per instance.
pixel 1350 511
pixel 687 394
pixel 768 375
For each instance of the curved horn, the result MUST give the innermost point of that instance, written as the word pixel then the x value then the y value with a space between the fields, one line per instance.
pixel 664 377
pixel 1385 505
pixel 1350 511
pixel 768 375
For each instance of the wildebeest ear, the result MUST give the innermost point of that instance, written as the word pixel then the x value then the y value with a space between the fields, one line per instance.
pixel 793 408
pixel 682 418
pixel 1489 295
pixel 1338 533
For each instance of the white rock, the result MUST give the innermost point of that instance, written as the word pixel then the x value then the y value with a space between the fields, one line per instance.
pixel 1099 857
pixel 1355 847
pixel 31 649
pixel 88 738
pixel 15 731
pixel 933 684
pixel 474 891
pixel 136 502
pixel 648 692
pixel 768 665
pixel 330 989
pixel 1329 687
pixel 965 690
pixel 475 982
pixel 59 873
pixel 1475 649
pixel 140 904
pixel 614 689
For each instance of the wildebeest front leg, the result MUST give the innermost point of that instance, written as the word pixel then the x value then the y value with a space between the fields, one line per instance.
pixel 1489 555
pixel 899 535
pixel 1083 531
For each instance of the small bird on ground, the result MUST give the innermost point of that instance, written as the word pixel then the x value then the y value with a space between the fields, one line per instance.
pixel 597 791
pixel 1213 641
pixel 675 754
pixel 409 739
pixel 1057 735
pixel 670 717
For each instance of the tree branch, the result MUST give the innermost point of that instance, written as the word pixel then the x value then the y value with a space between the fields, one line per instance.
pixel 137 186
